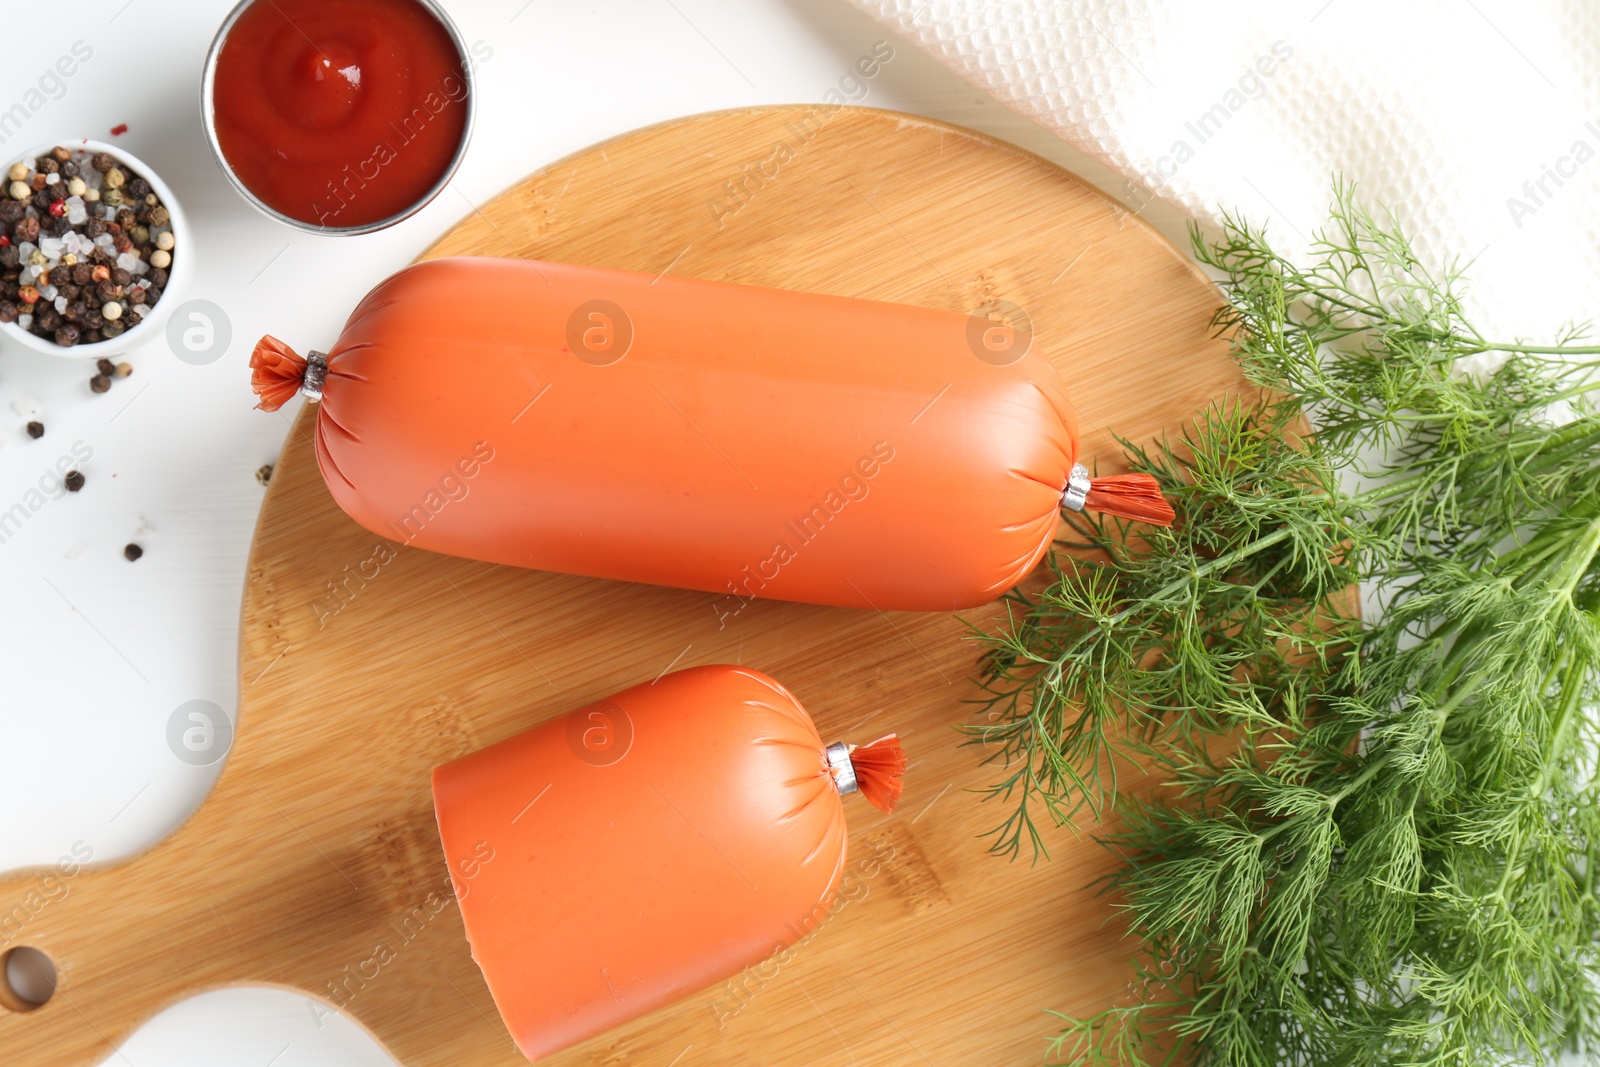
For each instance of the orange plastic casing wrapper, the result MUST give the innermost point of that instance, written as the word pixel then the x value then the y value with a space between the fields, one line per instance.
pixel 640 849
pixel 700 434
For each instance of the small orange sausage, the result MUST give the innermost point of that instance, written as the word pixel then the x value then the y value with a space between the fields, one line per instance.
pixel 644 847
pixel 675 431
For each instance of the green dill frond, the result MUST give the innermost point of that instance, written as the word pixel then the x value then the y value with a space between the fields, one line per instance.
pixel 1378 841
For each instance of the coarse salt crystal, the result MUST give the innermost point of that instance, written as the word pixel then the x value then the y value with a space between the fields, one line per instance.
pixel 104 240
pixel 77 214
pixel 51 179
pixel 49 292
pixel 61 305
pixel 25 321
pixel 29 273
pixel 141 310
pixel 52 247
pixel 130 262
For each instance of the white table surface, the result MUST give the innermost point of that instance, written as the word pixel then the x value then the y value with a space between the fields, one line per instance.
pixel 99 652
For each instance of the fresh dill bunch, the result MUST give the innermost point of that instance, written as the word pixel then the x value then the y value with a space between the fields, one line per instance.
pixel 1378 841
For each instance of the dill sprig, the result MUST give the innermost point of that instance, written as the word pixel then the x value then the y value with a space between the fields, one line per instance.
pixel 1377 842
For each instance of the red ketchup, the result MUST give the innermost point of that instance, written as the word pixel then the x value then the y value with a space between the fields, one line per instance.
pixel 339 112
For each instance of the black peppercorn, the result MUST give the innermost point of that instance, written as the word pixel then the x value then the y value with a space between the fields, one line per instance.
pixel 105 366
pixel 112 329
pixel 99 383
pixel 70 169
pixel 102 162
pixel 158 278
pixel 35 429
pixel 74 481
pixel 131 552
pixel 26 229
pixel 126 219
pixel 46 320
pixel 95 227
pixel 77 311
pixel 139 188
pixel 48 165
pixel 137 296
pixel 82 274
pixel 8 311
pixel 11 211
pixel 92 337
pixel 109 289
pixel 94 320
pixel 67 336
pixel 121 277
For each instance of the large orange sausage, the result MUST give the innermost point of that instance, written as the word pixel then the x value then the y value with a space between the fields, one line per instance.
pixel 739 440
pixel 647 846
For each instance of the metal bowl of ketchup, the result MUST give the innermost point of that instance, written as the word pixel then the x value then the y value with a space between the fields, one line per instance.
pixel 338 116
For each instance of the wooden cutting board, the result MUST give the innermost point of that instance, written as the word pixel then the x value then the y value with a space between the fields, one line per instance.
pixel 315 866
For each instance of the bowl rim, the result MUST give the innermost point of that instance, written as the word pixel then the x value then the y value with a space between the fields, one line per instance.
pixel 180 228
pixel 208 117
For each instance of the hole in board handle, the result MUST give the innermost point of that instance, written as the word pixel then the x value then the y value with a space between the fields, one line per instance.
pixel 28 979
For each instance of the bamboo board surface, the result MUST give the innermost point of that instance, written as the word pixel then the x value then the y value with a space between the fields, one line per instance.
pixel 315 865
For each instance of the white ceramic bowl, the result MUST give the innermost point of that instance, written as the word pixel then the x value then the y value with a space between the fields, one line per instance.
pixel 177 275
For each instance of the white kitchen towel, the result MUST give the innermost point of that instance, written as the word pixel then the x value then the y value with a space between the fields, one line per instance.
pixel 1477 121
